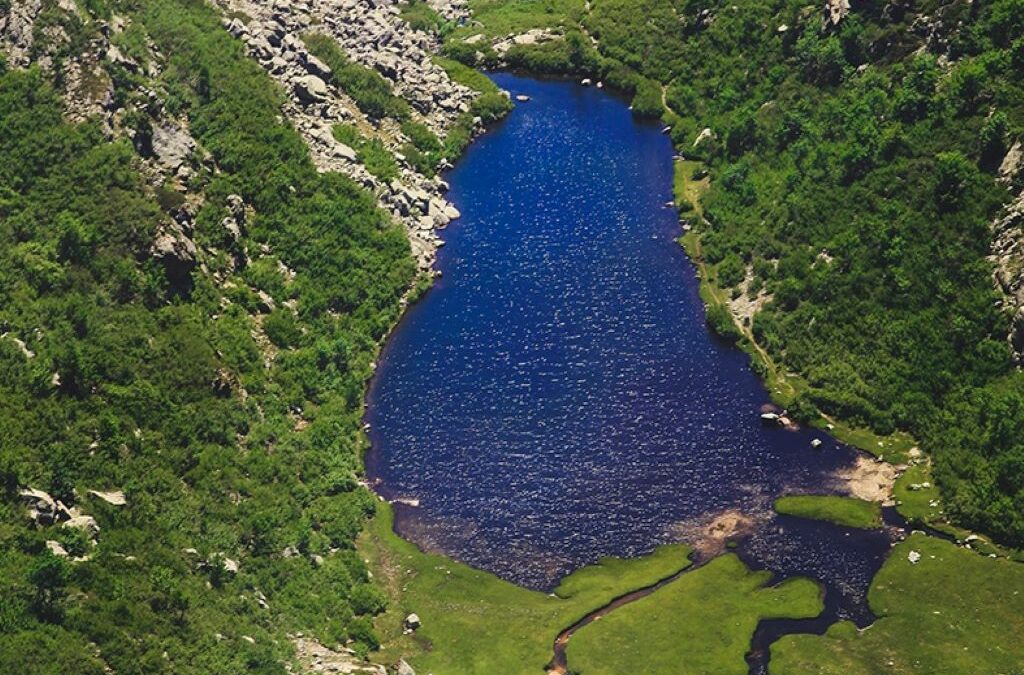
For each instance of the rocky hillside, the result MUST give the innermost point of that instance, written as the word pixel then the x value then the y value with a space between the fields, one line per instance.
pixel 210 217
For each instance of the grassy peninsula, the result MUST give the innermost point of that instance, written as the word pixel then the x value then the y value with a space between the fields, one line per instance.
pixel 847 511
pixel 701 623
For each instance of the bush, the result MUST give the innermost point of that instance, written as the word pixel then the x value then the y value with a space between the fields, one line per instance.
pixel 730 271
pixel 421 137
pixel 647 98
pixel 802 409
pixel 721 323
pixel 952 173
pixel 421 16
pixel 823 60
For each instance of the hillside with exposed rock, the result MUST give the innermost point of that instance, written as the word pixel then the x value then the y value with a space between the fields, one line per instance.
pixel 199 274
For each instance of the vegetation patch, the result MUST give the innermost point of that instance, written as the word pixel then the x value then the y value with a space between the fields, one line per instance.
pixel 371 152
pixel 466 76
pixel 699 623
pixel 371 92
pixel 951 611
pixel 499 18
pixel 917 496
pixel 421 16
pixel 474 622
pixel 847 511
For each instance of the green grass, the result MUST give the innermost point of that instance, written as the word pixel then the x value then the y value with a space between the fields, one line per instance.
pixel 701 623
pixel 466 76
pixel 502 17
pixel 474 622
pixel 371 152
pixel 953 612
pixel 421 16
pixel 371 92
pixel 687 191
pixel 915 505
pixel 894 448
pixel 846 511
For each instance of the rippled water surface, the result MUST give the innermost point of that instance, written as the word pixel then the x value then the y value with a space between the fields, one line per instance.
pixel 557 396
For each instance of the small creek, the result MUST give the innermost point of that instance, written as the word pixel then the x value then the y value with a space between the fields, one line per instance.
pixel 557 397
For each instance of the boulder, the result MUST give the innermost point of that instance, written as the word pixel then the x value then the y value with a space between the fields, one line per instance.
pixel 114 497
pixel 704 136
pixel 117 57
pixel 56 549
pixel 836 11
pixel 403 668
pixel 412 622
pixel 345 152
pixel 231 225
pixel 172 146
pixel 315 66
pixel 236 205
pixel 176 251
pixel 236 28
pixel 42 508
pixel 87 524
pixel 265 302
pixel 310 89
pixel 1011 165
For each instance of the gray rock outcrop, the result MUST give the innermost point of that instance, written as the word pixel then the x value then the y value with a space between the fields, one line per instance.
pixel 17 28
pixel 835 12
pixel 1008 259
pixel 176 251
pixel 172 145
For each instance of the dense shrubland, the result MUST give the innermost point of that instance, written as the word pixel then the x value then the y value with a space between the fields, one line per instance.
pixel 161 388
pixel 854 176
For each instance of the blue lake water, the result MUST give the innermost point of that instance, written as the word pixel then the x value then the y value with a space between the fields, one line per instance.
pixel 557 397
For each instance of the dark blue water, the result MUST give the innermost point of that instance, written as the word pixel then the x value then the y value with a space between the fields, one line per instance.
pixel 557 396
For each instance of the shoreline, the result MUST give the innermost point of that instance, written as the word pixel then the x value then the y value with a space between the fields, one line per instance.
pixel 780 387
pixel 371 455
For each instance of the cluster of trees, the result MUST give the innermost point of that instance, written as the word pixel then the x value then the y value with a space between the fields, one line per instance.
pixel 163 391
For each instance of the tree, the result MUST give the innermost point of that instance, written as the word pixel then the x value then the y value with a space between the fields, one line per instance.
pixel 49 575
pixel 992 139
pixel 952 172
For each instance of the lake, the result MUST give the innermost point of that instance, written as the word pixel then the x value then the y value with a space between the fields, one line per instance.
pixel 557 397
